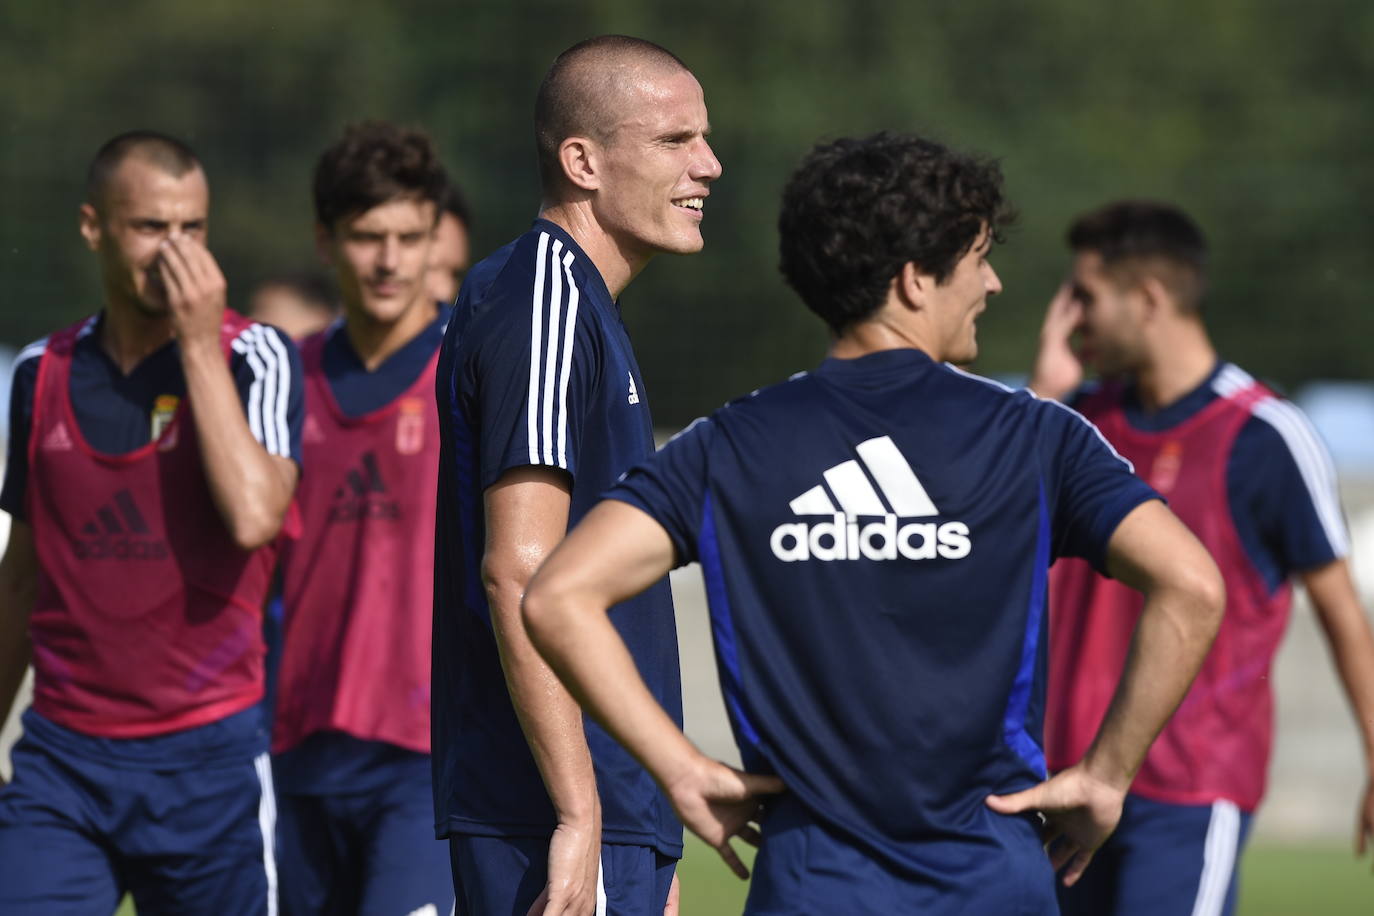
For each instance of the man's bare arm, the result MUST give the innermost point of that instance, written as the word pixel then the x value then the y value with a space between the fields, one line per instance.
pixel 1152 551
pixel 251 488
pixel 1057 370
pixel 18 583
pixel 526 517
pixel 1348 634
pixel 616 552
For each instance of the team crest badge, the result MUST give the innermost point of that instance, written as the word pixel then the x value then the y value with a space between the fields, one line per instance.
pixel 410 426
pixel 164 412
pixel 312 432
pixel 1164 470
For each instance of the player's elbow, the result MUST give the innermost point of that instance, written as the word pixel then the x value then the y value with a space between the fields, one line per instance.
pixel 539 610
pixel 252 530
pixel 1203 591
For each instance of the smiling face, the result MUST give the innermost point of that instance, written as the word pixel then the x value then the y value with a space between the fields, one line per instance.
pixel 657 167
pixel 142 205
pixel 381 257
pixel 1110 337
pixel 956 303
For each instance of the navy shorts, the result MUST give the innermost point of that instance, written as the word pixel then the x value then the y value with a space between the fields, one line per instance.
pixel 1164 859
pixel 496 876
pixel 86 820
pixel 805 867
pixel 367 853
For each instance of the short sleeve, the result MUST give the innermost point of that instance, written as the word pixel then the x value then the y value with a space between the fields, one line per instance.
pixel 271 383
pixel 532 379
pixel 1094 487
pixel 21 422
pixel 1282 491
pixel 671 487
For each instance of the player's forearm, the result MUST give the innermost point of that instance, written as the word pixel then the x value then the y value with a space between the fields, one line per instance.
pixel 575 635
pixel 251 488
pixel 1176 629
pixel 1351 641
pixel 548 714
pixel 18 586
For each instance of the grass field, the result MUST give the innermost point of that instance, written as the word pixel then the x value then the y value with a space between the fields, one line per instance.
pixel 1275 881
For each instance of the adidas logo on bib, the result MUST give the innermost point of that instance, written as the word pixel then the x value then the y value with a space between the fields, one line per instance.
pixel 119 532
pixel 855 486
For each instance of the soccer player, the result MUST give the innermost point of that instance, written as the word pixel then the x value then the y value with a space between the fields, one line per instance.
pixel 299 303
pixel 153 455
pixel 875 537
pixel 1244 470
pixel 351 734
pixel 449 256
pixel 542 407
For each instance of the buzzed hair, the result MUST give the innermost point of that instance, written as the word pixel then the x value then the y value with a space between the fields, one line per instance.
pixel 578 92
pixel 168 154
pixel 1139 238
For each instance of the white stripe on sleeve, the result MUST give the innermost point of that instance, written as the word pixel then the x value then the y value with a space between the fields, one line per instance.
pixel 279 418
pixel 1314 464
pixel 551 348
pixel 536 337
pixel 254 409
pixel 569 328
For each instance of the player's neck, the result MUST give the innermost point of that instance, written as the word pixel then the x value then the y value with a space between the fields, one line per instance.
pixel 1175 367
pixel 128 334
pixel 374 341
pixel 616 265
pixel 877 334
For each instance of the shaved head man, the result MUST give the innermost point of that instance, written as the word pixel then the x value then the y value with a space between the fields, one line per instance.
pixel 154 451
pixel 543 406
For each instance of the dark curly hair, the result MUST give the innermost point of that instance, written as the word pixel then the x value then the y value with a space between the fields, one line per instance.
pixel 372 163
pixel 855 211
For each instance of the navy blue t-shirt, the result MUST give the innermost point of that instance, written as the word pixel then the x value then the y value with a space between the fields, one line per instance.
pixel 536 369
pixel 329 763
pixel 1280 482
pixel 115 411
pixel 875 538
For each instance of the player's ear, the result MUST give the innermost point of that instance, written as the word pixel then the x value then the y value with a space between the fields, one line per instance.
pixel 324 244
pixel 580 158
pixel 88 221
pixel 1156 296
pixel 911 286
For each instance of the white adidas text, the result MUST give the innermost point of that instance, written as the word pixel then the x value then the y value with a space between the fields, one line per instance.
pixel 844 538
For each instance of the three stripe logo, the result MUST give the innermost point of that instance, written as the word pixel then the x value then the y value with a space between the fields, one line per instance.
pixel 880 484
pixel 363 495
pixel 856 496
pixel 119 531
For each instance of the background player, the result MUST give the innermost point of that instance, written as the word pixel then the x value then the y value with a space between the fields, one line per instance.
pixel 1248 475
pixel 875 537
pixel 352 728
pixel 299 303
pixel 449 255
pixel 543 407
pixel 153 455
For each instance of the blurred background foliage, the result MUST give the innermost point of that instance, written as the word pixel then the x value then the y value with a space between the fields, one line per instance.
pixel 1253 114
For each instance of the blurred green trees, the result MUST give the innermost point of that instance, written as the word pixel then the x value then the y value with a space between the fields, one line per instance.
pixel 1254 115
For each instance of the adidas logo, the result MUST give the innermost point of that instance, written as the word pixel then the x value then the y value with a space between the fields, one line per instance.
pixel 852 486
pixel 119 532
pixel 363 494
pixel 634 392
pixel 58 439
